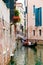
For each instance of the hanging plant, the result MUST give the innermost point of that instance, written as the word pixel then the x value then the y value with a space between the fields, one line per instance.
pixel 16 12
pixel 16 17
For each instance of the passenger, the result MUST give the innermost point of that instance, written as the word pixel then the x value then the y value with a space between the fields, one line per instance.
pixel 29 43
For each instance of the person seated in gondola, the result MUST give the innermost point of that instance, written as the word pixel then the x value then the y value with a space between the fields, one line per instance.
pixel 30 43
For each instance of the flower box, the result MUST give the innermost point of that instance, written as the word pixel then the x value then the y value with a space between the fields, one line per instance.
pixel 16 19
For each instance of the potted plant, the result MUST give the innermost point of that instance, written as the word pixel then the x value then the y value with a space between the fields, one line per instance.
pixel 16 17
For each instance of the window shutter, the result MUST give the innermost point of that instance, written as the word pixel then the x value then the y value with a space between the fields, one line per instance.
pixel 38 16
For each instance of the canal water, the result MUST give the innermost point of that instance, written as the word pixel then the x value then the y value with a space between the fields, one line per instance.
pixel 28 56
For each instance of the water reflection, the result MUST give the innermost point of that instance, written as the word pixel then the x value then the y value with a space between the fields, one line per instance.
pixel 39 56
pixel 28 56
pixel 34 56
pixel 30 53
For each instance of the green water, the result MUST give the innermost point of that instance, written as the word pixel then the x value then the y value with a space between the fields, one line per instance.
pixel 28 56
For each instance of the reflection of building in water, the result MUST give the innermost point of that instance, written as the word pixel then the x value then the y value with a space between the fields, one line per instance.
pixel 34 56
pixel 40 54
pixel 31 57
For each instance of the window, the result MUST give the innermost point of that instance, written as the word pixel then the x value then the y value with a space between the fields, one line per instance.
pixel 34 32
pixel 0 19
pixel 40 32
pixel 26 9
pixel 21 27
pixel 3 20
pixel 33 9
pixel 38 16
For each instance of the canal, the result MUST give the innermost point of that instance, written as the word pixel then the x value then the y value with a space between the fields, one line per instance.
pixel 28 56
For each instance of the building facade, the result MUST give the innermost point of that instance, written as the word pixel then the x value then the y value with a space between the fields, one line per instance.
pixel 11 5
pixel 4 34
pixel 19 7
pixel 7 33
pixel 34 19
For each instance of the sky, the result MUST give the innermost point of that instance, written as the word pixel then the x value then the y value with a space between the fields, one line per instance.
pixel 21 1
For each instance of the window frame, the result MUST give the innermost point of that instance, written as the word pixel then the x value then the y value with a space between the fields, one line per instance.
pixel 33 32
pixel 40 32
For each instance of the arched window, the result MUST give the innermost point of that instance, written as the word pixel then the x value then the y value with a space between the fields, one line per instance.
pixel 34 32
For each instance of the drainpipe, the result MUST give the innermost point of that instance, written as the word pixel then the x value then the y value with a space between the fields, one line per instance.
pixel 27 20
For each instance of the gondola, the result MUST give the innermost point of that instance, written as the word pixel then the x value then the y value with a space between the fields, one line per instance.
pixel 29 44
pixel 32 45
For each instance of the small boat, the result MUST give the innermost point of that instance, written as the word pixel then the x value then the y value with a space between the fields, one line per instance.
pixel 29 44
pixel 32 45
